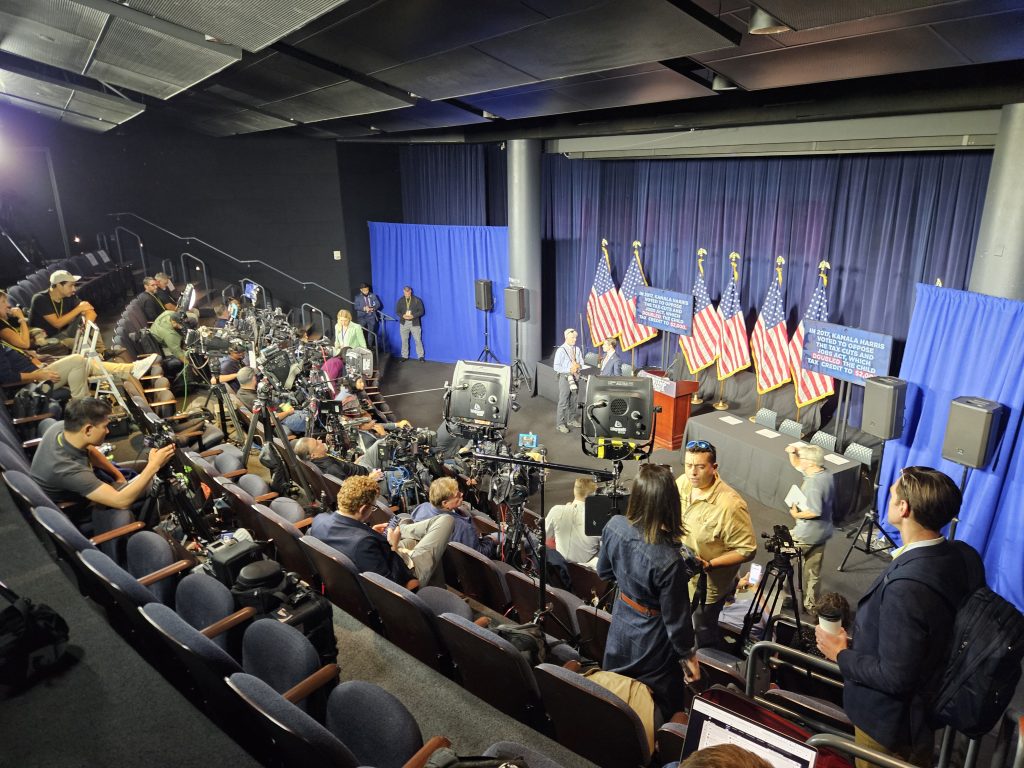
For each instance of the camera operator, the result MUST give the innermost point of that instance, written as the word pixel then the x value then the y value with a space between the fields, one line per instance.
pixel 246 392
pixel 718 529
pixel 564 527
pixel 814 516
pixel 168 330
pixel 67 458
pixel 230 365
pixel 445 498
pixel 567 364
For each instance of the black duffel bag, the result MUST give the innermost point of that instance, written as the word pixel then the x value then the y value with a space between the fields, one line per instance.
pixel 32 639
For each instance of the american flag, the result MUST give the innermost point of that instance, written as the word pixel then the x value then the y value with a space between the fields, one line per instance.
pixel 604 310
pixel 632 332
pixel 769 340
pixel 810 386
pixel 735 349
pixel 701 347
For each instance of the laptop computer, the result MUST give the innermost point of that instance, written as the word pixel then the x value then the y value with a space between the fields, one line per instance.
pixel 711 724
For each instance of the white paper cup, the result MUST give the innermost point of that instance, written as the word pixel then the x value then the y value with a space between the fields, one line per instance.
pixel 832 626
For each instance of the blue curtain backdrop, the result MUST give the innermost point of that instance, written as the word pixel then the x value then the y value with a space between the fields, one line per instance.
pixel 884 222
pixel 441 263
pixel 964 343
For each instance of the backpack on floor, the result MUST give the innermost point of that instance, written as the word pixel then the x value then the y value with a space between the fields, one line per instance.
pixel 32 639
pixel 527 638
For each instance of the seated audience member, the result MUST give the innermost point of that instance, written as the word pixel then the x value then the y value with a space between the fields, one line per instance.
pixel 165 291
pixel 563 527
pixel 151 305
pixel 724 756
pixel 347 333
pixel 246 392
pixel 314 450
pixel 446 499
pixel 14 327
pixel 230 365
pixel 65 461
pixel 57 311
pixel 400 552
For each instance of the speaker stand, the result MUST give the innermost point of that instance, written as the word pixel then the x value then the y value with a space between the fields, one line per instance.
pixel 486 355
pixel 519 370
pixel 869 524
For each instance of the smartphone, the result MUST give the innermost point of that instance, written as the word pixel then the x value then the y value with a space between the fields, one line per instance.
pixel 756 569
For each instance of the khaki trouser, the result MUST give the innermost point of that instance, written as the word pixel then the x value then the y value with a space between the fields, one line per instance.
pixel 812 556
pixel 422 546
pixel 74 372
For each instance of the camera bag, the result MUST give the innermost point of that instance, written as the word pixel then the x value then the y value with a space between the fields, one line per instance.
pixel 32 638
pixel 227 557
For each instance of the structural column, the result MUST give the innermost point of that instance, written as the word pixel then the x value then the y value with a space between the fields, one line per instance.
pixel 524 244
pixel 998 268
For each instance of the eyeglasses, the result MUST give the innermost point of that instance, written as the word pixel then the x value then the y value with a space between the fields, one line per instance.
pixel 699 445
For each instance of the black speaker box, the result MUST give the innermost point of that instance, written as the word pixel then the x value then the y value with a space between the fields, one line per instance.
pixel 484 297
pixel 972 431
pixel 515 303
pixel 884 400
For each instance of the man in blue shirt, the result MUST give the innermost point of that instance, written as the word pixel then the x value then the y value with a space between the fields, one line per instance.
pixel 814 517
pixel 567 364
pixel 446 499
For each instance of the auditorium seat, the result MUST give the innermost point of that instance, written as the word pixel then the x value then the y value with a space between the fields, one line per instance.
pixel 592 721
pixel 286 543
pixel 594 625
pixel 477 576
pixel 409 623
pixel 282 657
pixel 587 585
pixel 148 552
pixel 203 602
pixel 525 593
pixel 341 581
pixel 481 657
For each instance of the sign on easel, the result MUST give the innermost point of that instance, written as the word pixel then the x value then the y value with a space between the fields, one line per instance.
pixel 847 354
pixel 665 310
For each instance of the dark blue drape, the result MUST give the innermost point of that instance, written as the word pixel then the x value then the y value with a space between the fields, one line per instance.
pixel 441 264
pixel 882 221
pixel 964 343
pixel 444 184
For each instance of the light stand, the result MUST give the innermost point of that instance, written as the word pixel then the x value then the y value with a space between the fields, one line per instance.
pixel 519 370
pixel 485 354
pixel 261 414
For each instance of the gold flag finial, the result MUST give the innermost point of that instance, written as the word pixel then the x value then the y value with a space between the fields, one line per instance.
pixel 823 268
pixel 938 282
pixel 779 261
pixel 701 253
pixel 733 259
pixel 604 247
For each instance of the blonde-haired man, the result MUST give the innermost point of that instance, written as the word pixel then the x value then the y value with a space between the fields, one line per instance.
pixel 814 517
pixel 563 526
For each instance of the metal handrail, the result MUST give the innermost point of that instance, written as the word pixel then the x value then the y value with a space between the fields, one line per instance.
pixel 839 744
pixel 766 647
pixel 243 262
pixel 202 264
pixel 120 251
pixel 167 267
pixel 305 316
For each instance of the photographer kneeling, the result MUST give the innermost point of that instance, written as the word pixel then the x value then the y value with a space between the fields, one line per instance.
pixel 813 517
pixel 67 459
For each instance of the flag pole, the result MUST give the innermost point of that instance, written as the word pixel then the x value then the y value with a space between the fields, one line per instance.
pixel 757 407
pixel 721 405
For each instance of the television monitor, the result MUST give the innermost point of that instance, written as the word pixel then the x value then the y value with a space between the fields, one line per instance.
pixel 480 394
pixel 250 290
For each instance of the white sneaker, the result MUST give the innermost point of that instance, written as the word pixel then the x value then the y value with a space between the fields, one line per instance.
pixel 143 364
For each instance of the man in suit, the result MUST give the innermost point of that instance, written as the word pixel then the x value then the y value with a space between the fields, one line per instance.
pixel 904 624
pixel 611 365
pixel 409 309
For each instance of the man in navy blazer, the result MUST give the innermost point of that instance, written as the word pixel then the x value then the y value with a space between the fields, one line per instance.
pixel 904 626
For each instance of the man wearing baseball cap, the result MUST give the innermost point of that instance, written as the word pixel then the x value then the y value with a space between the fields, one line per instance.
pixel 57 310
pixel 230 365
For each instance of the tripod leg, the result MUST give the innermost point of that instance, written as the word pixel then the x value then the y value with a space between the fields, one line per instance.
pixel 865 525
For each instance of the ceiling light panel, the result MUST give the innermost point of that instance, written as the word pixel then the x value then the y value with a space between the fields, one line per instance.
pixel 55 32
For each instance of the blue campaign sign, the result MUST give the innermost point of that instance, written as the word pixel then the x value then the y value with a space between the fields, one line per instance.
pixel 666 310
pixel 849 354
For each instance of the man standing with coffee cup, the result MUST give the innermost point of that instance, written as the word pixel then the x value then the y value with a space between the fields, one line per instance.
pixel 904 624
pixel 814 516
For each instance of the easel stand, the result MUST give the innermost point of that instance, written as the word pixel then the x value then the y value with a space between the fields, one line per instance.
pixel 486 355
pixel 868 526
pixel 520 373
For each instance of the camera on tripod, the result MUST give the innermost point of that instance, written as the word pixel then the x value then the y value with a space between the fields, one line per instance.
pixel 158 436
pixel 780 542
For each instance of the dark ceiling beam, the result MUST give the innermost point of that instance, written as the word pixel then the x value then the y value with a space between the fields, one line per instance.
pixel 349 74
pixel 986 86
pixel 709 20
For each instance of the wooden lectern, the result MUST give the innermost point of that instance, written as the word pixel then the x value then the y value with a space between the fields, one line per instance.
pixel 674 399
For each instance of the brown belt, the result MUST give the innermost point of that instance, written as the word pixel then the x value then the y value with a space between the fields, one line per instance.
pixel 643 610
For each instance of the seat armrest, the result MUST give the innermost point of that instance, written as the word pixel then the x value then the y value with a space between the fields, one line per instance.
pixel 422 755
pixel 117 533
pixel 317 680
pixel 236 618
pixel 165 572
